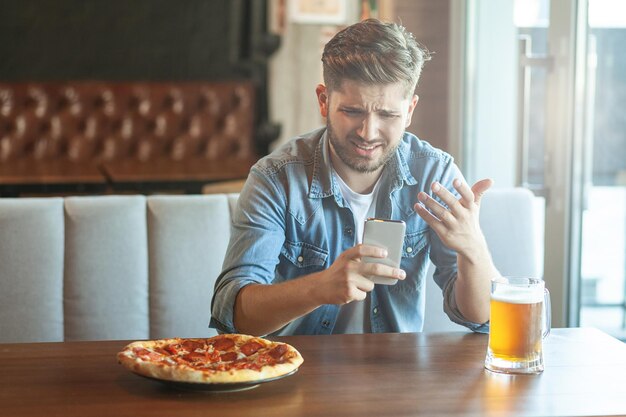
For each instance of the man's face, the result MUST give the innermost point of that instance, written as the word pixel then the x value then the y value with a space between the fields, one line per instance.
pixel 365 122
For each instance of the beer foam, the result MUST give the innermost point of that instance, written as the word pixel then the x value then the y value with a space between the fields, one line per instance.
pixel 518 295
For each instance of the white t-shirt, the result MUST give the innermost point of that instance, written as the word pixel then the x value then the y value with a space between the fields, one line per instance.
pixel 354 317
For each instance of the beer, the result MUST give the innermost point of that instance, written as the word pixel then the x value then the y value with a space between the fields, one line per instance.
pixel 516 326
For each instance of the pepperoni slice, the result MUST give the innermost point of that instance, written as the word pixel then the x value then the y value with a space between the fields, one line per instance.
pixel 139 351
pixel 190 345
pixel 250 348
pixel 147 354
pixel 162 351
pixel 194 356
pixel 223 344
pixel 173 349
pixel 228 356
pixel 278 351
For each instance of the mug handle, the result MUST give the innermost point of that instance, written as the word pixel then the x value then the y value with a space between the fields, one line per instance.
pixel 547 313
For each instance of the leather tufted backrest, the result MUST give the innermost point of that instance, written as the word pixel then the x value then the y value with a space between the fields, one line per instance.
pixel 112 121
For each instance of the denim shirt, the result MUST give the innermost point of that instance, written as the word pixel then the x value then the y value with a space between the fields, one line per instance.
pixel 291 220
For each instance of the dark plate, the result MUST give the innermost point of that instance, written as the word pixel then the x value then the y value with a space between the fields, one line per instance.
pixel 216 387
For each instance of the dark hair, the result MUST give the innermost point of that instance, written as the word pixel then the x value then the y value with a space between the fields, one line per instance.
pixel 373 52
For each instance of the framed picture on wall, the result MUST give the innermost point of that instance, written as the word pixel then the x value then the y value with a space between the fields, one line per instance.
pixel 322 12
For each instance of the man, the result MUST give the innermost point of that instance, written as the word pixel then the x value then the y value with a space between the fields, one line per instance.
pixel 293 264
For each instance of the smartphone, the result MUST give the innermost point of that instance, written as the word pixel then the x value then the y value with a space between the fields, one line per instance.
pixel 388 234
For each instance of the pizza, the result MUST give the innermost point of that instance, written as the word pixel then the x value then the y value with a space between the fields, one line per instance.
pixel 226 358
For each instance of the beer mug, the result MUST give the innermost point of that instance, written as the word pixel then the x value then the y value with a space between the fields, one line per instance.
pixel 519 321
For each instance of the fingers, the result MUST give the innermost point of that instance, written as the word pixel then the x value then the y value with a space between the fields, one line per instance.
pixel 457 226
pixel 348 280
pixel 428 217
pixel 365 286
pixel 446 196
pixel 369 269
pixel 372 267
pixel 353 289
pixel 436 210
pixel 360 250
pixel 467 195
pixel 480 188
pixel 454 205
pixel 439 217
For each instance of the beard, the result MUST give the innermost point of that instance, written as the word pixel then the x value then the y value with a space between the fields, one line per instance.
pixel 358 163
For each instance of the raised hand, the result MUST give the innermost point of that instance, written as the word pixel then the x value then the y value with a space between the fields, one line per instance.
pixel 458 225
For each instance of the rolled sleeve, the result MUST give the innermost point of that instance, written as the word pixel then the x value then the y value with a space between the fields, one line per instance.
pixel 223 309
pixel 257 236
pixel 452 310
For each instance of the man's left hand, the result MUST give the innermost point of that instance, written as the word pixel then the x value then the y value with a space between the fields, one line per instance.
pixel 458 225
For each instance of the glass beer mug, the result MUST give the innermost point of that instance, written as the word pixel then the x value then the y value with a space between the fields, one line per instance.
pixel 519 321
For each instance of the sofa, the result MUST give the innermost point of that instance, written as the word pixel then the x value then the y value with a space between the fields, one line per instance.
pixel 110 267
pixel 87 137
pixel 139 267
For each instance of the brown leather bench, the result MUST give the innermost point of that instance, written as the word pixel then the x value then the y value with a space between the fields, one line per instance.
pixel 93 136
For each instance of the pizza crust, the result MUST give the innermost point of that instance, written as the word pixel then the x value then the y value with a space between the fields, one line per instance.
pixel 184 373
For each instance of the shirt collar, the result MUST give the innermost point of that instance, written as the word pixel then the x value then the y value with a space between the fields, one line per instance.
pixel 322 184
pixel 398 166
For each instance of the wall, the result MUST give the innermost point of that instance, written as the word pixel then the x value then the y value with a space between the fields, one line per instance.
pixel 295 70
pixel 429 22
pixel 492 144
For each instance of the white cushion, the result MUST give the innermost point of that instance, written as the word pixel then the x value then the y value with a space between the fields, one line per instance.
pixel 106 268
pixel 188 236
pixel 31 269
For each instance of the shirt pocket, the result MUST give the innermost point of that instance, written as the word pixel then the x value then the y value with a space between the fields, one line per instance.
pixel 414 261
pixel 301 258
pixel 414 243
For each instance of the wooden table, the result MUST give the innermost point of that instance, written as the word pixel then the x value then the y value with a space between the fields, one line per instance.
pixel 343 375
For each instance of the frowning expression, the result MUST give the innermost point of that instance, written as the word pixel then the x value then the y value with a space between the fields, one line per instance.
pixel 365 122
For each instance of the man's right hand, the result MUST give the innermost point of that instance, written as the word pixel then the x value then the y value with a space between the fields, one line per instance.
pixel 262 309
pixel 346 279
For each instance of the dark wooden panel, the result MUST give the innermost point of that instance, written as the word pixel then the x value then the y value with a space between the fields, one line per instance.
pixel 429 21
pixel 115 40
